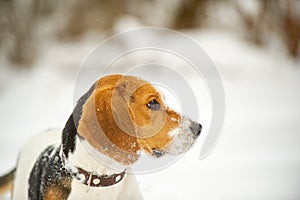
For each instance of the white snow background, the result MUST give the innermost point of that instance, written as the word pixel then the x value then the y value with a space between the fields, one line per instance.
pixel 257 157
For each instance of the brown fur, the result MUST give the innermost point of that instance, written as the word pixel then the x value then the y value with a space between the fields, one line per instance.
pixel 58 191
pixel 55 193
pixel 116 118
pixel 6 187
pixel 6 182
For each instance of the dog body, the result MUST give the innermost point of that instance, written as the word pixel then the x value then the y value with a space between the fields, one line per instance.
pixel 126 189
pixel 113 124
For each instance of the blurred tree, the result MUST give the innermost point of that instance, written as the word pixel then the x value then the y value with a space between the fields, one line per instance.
pixel 291 21
pixel 21 21
pixel 82 16
pixel 190 14
pixel 280 18
pixel 16 33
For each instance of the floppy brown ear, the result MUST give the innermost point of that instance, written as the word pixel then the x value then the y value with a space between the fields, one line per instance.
pixel 121 111
pixel 121 89
pixel 99 128
pixel 109 105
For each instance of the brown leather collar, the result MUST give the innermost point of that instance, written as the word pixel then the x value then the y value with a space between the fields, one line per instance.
pixel 92 180
pixel 88 178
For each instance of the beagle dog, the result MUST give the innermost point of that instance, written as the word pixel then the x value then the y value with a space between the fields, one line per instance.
pixel 118 119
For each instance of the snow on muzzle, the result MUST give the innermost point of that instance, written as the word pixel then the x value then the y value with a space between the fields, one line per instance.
pixel 183 137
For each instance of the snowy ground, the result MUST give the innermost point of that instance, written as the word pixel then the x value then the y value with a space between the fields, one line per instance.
pixel 257 156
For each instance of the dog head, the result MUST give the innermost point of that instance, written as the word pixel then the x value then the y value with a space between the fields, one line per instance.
pixel 125 115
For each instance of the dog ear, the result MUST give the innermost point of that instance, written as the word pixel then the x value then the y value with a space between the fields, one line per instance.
pixel 121 88
pixel 121 109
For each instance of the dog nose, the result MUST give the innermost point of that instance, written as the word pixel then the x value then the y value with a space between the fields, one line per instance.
pixel 196 129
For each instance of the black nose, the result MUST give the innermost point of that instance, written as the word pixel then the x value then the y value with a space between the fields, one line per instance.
pixel 196 129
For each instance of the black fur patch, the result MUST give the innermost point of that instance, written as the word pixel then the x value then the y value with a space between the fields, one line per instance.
pixel 77 112
pixel 69 136
pixel 48 171
pixel 70 130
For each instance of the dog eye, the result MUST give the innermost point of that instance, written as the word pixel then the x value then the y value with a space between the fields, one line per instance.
pixel 153 105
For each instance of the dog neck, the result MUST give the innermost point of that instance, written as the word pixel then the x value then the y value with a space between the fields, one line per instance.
pixel 82 157
pixel 75 155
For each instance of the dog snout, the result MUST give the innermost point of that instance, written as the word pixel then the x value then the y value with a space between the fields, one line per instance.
pixel 196 129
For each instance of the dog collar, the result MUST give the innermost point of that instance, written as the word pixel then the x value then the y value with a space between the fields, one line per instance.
pixel 88 178
pixel 92 180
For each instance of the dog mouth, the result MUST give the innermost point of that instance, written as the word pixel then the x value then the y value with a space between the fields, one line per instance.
pixel 157 153
pixel 183 139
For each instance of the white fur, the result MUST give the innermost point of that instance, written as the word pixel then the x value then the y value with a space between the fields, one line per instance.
pixel 126 189
pixel 107 161
pixel 183 138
